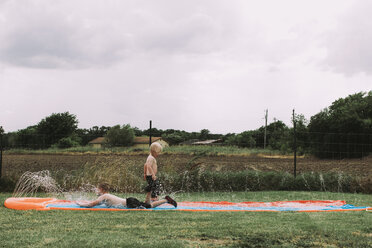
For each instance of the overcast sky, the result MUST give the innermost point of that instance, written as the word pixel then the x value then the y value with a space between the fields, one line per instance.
pixel 186 65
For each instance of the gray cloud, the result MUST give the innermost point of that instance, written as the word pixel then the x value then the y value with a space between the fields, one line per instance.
pixel 349 44
pixel 38 36
pixel 184 64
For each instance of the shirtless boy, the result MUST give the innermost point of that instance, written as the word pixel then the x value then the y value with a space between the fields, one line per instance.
pixel 113 201
pixel 150 170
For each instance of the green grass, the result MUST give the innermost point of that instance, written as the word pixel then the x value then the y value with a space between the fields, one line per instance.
pixel 193 229
pixel 79 149
pixel 186 149
pixel 219 150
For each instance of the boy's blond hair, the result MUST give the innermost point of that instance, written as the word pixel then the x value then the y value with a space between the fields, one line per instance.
pixel 156 147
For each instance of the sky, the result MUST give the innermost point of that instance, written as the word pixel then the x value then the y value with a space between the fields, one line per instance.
pixel 189 65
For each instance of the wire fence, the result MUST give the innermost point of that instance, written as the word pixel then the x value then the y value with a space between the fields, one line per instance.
pixel 335 145
pixel 322 145
pixel 42 141
pixel 351 152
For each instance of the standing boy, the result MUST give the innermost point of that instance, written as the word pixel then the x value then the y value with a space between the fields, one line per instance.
pixel 150 170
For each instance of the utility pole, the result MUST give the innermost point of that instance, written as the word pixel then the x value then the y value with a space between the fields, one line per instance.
pixel 295 144
pixel 1 149
pixel 265 128
pixel 150 133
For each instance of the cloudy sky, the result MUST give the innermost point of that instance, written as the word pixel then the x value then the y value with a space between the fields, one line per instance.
pixel 182 64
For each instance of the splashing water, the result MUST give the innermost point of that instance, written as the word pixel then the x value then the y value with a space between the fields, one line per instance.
pixel 31 182
pixel 339 182
pixel 322 183
pixel 305 182
pixel 85 192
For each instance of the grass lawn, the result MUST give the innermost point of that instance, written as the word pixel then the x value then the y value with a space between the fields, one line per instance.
pixel 184 149
pixel 193 229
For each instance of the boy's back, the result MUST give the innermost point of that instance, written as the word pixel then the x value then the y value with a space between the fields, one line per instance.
pixel 111 200
pixel 151 167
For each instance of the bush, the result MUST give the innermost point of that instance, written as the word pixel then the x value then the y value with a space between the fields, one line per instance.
pixel 6 185
pixel 243 139
pixel 199 180
pixel 173 138
pixel 338 129
pixel 55 127
pixel 127 176
pixel 67 143
pixel 120 136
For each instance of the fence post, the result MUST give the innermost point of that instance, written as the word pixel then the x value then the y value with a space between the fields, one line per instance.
pixel 294 145
pixel 150 133
pixel 1 153
pixel 265 128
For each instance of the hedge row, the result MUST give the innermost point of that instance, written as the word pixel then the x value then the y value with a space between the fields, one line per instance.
pixel 258 181
pixel 200 180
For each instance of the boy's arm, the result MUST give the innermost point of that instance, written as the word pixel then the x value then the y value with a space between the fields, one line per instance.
pixel 155 169
pixel 90 204
pixel 144 171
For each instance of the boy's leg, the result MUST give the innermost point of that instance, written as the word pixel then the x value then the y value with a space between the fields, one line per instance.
pixel 148 198
pixel 158 203
pixel 166 200
pixel 154 198
pixel 171 201
pixel 155 190
pixel 148 189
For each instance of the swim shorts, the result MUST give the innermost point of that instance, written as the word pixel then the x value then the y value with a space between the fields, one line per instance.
pixel 135 203
pixel 153 186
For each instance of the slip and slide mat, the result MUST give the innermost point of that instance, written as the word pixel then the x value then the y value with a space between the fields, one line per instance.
pixel 28 203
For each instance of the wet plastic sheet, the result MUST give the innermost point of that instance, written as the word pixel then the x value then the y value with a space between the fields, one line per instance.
pixel 299 206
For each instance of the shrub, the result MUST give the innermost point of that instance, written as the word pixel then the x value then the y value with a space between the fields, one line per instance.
pixel 126 175
pixel 6 184
pixel 200 180
pixel 120 136
pixel 67 143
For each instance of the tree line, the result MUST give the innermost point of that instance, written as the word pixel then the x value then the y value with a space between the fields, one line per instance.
pixel 343 129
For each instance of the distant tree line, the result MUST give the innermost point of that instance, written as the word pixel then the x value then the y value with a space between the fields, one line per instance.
pixel 344 129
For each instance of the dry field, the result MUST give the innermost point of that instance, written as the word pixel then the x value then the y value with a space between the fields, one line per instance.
pixel 15 164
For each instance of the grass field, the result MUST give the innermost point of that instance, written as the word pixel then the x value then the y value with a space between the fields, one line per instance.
pixel 193 229
pixel 185 149
pixel 72 170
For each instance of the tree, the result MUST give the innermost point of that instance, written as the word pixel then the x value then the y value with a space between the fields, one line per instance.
pixel 226 137
pixel 120 136
pixel 343 129
pixel 204 134
pixel 173 138
pixel 243 139
pixel 277 135
pixel 154 132
pixel 67 142
pixel 27 138
pixel 137 132
pixel 55 127
pixel 302 134
pixel 87 135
